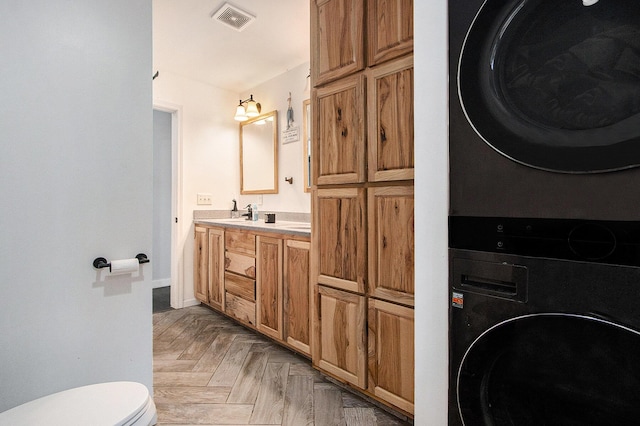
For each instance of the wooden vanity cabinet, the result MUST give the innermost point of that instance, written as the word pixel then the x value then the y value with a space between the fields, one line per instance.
pixel 200 264
pixel 240 275
pixel 297 295
pixel 338 43
pixel 269 286
pixel 215 270
pixel 391 353
pixel 209 266
pixel 259 278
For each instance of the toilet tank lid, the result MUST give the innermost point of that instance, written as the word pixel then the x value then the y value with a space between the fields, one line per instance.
pixel 112 403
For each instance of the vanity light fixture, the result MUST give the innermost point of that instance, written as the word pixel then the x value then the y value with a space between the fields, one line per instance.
pixel 252 109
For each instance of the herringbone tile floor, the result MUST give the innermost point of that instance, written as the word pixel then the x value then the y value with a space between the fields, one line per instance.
pixel 209 370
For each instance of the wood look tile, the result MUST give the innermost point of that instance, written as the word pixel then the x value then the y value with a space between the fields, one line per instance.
pixel 190 394
pixel 245 388
pixel 359 416
pixel 298 402
pixel 164 378
pixel 215 354
pixel 173 365
pixel 208 370
pixel 269 406
pixel 228 370
pixel 327 405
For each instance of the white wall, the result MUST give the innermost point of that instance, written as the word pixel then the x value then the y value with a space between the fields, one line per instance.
pixel 210 154
pixel 272 95
pixel 75 184
pixel 432 204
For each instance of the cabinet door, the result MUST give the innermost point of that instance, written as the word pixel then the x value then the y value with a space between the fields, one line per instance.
pixel 200 264
pixel 390 121
pixel 215 270
pixel 340 347
pixel 391 243
pixel 390 29
pixel 339 238
pixel 391 359
pixel 339 132
pixel 337 38
pixel 269 286
pixel 297 293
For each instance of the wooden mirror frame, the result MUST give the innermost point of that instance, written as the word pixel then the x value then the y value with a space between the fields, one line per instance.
pixel 306 134
pixel 258 160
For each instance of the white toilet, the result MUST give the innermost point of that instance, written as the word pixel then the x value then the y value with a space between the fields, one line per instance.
pixel 109 404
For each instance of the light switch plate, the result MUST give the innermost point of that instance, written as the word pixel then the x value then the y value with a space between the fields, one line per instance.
pixel 205 198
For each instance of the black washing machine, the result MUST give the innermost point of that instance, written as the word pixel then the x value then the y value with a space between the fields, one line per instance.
pixel 545 108
pixel 541 340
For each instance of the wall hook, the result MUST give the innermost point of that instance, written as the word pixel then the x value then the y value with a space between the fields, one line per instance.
pixel 289 179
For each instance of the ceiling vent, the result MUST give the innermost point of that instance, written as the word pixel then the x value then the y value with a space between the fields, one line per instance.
pixel 233 17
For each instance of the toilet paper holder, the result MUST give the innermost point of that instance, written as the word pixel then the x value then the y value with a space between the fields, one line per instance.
pixel 101 262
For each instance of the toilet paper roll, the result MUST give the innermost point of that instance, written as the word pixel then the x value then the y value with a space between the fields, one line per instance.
pixel 124 266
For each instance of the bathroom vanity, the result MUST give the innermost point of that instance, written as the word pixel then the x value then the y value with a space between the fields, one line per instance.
pixel 258 274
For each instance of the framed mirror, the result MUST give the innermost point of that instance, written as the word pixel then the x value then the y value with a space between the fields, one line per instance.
pixel 259 154
pixel 306 124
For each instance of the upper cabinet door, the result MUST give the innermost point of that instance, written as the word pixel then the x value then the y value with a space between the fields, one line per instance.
pixel 339 132
pixel 390 29
pixel 337 42
pixel 390 120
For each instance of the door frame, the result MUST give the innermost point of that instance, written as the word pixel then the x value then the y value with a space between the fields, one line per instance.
pixel 177 266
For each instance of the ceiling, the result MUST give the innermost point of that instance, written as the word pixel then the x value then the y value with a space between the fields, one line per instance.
pixel 188 42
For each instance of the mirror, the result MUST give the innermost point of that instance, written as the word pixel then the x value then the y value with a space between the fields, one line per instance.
pixel 306 123
pixel 259 154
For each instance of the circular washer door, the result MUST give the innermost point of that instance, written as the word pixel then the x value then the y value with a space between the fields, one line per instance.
pixel 551 369
pixel 555 84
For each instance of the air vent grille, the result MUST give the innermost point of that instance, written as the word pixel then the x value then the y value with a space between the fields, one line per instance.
pixel 233 17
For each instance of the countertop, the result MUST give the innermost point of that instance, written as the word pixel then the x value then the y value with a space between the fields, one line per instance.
pixel 281 227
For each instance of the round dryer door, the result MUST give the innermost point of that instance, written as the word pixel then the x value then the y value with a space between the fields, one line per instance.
pixel 555 84
pixel 551 369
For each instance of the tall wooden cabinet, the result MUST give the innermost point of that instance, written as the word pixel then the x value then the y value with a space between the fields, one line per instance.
pixel 362 252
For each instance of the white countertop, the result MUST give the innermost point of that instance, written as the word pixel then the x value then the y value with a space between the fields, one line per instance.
pixel 282 227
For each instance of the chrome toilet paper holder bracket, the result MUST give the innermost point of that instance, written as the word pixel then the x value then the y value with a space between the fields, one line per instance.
pixel 101 262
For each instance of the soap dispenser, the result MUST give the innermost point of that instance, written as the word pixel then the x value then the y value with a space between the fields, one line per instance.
pixel 234 211
pixel 254 210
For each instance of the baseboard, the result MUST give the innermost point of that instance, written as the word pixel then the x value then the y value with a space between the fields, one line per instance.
pixel 191 302
pixel 161 283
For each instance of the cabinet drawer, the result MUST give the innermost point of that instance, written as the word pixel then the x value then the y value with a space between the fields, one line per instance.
pixel 239 241
pixel 241 309
pixel 240 286
pixel 240 264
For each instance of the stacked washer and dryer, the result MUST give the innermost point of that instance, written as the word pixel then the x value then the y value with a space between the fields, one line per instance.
pixel 545 212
